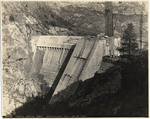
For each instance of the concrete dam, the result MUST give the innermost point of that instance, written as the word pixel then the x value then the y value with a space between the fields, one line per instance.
pixel 64 60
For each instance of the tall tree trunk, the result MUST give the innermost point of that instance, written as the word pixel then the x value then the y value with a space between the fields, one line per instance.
pixel 129 47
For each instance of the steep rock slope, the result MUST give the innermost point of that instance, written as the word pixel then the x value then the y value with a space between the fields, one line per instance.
pixel 19 24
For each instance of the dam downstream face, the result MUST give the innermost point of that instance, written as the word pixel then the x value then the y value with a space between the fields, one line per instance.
pixel 64 61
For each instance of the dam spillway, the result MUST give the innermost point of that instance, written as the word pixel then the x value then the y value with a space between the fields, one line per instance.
pixel 49 56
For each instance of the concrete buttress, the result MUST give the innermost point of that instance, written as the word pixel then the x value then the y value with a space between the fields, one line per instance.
pixel 88 50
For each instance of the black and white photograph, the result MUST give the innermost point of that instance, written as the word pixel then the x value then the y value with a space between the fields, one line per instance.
pixel 74 59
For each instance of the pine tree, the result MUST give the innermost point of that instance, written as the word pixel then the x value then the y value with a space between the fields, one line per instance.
pixel 129 44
